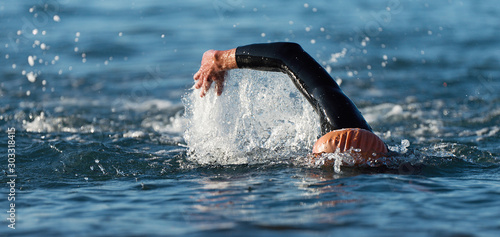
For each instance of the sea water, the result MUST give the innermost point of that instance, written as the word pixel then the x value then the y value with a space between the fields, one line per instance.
pixel 103 134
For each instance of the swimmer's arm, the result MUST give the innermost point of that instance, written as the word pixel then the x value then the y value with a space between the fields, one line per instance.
pixel 335 109
pixel 288 58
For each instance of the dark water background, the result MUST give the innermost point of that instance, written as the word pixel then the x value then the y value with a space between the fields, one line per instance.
pixel 94 90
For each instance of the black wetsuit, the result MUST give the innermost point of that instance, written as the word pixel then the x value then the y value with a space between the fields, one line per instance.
pixel 335 109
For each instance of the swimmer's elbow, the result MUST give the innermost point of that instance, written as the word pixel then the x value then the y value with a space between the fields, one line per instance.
pixel 287 54
pixel 288 50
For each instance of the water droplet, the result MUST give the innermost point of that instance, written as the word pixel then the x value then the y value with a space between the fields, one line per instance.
pixel 31 77
pixel 31 60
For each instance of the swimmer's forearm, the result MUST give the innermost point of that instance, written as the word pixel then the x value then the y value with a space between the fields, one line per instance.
pixel 258 56
pixel 267 57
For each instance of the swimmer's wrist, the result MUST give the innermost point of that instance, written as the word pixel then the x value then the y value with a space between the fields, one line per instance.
pixel 225 59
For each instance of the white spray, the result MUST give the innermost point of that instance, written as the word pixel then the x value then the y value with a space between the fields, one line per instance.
pixel 260 118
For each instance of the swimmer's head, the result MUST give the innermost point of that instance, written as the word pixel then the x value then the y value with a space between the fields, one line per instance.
pixel 342 140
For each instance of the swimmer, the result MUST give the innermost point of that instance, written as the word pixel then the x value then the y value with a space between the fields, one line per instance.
pixel 343 128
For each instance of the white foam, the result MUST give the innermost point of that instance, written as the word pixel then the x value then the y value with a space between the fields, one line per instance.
pixel 134 134
pixel 173 125
pixel 260 117
pixel 40 123
pixel 481 133
pixel 143 105
pixel 383 112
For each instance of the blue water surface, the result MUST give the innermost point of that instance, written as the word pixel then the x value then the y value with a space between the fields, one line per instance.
pixel 106 121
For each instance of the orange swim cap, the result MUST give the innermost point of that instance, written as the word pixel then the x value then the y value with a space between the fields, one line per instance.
pixel 361 141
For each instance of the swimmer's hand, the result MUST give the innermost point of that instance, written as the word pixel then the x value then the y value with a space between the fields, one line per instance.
pixel 214 67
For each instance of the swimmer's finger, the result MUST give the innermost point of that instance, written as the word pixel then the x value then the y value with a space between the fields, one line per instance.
pixel 198 83
pixel 197 75
pixel 205 87
pixel 219 86
pixel 200 73
pixel 201 77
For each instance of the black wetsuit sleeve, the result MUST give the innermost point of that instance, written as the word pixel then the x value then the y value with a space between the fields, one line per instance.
pixel 335 109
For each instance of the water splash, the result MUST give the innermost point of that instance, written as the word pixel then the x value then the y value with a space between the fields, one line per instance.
pixel 260 117
pixel 401 149
pixel 350 158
